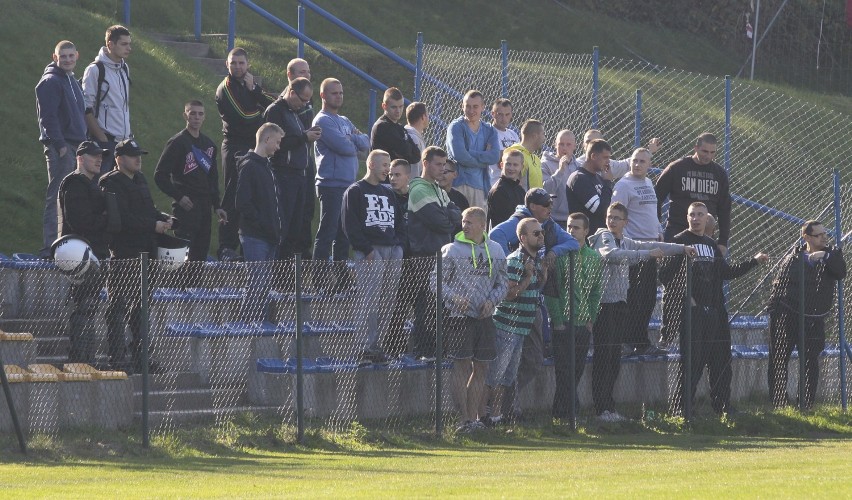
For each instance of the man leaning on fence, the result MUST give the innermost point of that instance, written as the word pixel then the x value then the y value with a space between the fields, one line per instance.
pixel 823 266
pixel 83 213
pixel 474 282
pixel 618 253
pixel 141 222
pixel 431 220
pixel 710 332
pixel 370 221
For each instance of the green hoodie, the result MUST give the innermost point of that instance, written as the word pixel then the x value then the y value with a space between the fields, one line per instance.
pixel 587 288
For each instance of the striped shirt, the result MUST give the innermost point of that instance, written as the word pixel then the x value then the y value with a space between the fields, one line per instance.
pixel 517 315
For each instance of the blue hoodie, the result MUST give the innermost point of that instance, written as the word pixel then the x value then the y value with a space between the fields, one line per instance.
pixel 337 150
pixel 61 108
pixel 556 238
pixel 469 151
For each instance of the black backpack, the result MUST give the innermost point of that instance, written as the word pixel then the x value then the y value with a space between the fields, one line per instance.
pixel 101 79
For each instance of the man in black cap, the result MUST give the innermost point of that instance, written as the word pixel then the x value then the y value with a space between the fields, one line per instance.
pixel 140 224
pixel 83 213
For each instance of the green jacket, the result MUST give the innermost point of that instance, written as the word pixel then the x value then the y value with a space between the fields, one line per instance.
pixel 587 287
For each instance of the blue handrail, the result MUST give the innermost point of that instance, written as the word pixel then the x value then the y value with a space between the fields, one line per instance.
pixel 313 44
pixel 357 34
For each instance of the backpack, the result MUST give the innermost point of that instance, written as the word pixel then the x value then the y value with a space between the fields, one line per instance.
pixel 101 79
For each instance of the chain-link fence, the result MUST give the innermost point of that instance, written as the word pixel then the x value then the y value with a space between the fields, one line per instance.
pixel 320 345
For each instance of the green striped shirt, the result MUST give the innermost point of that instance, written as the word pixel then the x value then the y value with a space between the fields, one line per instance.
pixel 517 315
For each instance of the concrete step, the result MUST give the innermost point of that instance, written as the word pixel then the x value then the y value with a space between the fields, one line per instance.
pixel 215 65
pixel 157 418
pixel 190 399
pixel 170 382
pixel 39 327
pixel 190 49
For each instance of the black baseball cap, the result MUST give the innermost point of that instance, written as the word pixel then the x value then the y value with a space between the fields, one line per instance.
pixel 90 148
pixel 129 147
pixel 538 196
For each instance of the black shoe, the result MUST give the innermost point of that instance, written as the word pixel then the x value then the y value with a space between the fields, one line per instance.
pixel 229 255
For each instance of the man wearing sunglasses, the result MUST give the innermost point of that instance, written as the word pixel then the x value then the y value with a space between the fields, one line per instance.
pixel 292 161
pixel 824 265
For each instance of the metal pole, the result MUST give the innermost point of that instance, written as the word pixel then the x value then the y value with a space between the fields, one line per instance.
pixel 802 332
pixel 127 12
pixel 418 66
pixel 686 355
pixel 11 404
pixel 754 39
pixel 572 339
pixel 637 131
pixel 595 85
pixel 300 48
pixel 728 99
pixel 504 68
pixel 372 115
pixel 300 380
pixel 439 348
pixel 197 20
pixel 232 23
pixel 143 333
pixel 841 317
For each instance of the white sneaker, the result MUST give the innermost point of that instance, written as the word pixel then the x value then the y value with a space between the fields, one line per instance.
pixel 612 417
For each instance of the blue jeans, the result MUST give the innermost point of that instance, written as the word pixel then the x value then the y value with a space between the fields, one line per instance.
pixel 259 255
pixel 330 229
pixel 57 168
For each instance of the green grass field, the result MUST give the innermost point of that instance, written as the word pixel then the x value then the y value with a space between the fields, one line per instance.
pixel 774 454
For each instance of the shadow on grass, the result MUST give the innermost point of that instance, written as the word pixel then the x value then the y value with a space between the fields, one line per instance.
pixel 248 442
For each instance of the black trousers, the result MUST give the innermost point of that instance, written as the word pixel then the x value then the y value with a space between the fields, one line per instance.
pixel 195 226
pixel 641 298
pixel 124 308
pixel 783 338
pixel 229 233
pixel 81 328
pixel 562 366
pixel 423 334
pixel 606 360
pixel 711 347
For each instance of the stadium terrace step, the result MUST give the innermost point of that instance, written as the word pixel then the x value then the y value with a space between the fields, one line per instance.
pixel 45 326
pixel 173 381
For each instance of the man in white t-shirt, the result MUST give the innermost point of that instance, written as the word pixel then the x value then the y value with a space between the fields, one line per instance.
pixel 501 118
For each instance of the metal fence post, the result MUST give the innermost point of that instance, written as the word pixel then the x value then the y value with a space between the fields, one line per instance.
pixel 143 333
pixel 572 338
pixel 7 391
pixel 595 85
pixel 127 12
pixel 686 355
pixel 439 347
pixel 637 130
pixel 197 20
pixel 801 346
pixel 841 318
pixel 728 98
pixel 232 23
pixel 504 68
pixel 300 48
pixel 300 380
pixel 372 115
pixel 418 66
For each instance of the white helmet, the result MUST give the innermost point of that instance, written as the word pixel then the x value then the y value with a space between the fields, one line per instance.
pixel 172 252
pixel 74 257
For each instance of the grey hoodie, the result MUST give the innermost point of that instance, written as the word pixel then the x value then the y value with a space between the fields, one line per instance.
pixel 617 257
pixel 475 272
pixel 113 114
pixel 555 183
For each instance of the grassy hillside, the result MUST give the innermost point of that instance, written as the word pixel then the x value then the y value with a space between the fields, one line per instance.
pixel 163 81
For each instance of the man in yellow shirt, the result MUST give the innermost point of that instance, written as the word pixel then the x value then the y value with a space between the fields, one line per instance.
pixel 532 138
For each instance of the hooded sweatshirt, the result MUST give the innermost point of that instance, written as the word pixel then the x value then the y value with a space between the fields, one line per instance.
pixel 61 108
pixel 474 271
pixel 432 217
pixel 618 255
pixel 555 184
pixel 113 114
